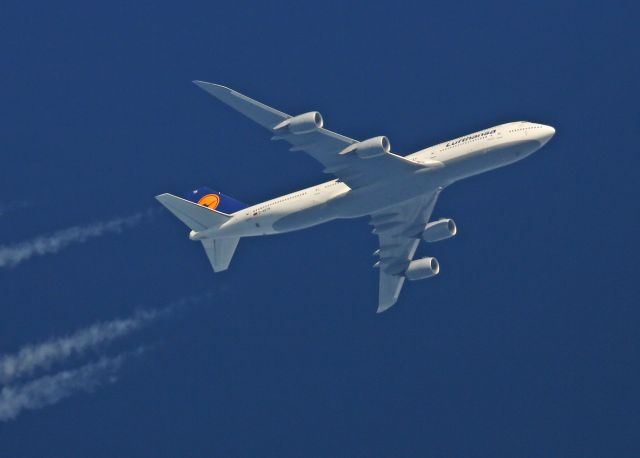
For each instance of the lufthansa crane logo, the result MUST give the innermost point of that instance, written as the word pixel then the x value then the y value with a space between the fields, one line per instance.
pixel 210 200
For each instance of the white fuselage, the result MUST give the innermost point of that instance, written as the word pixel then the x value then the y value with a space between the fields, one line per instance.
pixel 444 164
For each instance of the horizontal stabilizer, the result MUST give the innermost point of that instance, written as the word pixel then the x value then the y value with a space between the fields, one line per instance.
pixel 220 252
pixel 197 217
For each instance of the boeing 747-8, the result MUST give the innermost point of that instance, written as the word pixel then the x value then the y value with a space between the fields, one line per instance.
pixel 397 192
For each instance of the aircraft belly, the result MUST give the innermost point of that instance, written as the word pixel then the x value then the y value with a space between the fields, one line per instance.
pixel 493 157
pixel 365 201
pixel 304 218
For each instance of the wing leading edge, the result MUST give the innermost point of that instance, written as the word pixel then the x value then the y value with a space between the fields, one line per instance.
pixel 322 144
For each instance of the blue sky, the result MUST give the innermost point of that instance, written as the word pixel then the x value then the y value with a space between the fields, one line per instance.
pixel 525 345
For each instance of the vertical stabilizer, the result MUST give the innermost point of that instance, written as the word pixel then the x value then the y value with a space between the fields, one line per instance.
pixel 215 200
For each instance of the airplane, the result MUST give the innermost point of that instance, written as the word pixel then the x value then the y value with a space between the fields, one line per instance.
pixel 397 192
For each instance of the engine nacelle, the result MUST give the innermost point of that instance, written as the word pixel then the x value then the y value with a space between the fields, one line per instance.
pixel 422 268
pixel 301 124
pixel 439 230
pixel 374 147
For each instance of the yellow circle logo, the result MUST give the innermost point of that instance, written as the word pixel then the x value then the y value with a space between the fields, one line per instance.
pixel 210 200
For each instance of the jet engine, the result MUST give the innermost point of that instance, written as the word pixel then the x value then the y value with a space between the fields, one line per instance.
pixel 302 124
pixel 422 268
pixel 439 230
pixel 374 147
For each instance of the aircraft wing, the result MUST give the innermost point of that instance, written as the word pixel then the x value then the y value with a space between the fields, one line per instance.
pixel 398 229
pixel 322 144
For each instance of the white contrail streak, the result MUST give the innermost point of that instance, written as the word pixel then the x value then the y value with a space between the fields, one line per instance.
pixel 29 358
pixel 44 355
pixel 50 389
pixel 11 255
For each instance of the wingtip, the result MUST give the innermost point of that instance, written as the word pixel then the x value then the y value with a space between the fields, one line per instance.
pixel 384 307
pixel 210 86
pixel 166 198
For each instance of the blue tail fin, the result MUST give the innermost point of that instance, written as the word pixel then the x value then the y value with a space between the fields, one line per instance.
pixel 215 200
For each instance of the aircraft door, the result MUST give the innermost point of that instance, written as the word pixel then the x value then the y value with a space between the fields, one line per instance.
pixel 317 195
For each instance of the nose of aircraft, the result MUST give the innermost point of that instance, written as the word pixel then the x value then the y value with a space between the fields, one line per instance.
pixel 546 133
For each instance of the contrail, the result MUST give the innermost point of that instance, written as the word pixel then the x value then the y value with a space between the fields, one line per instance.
pixel 11 255
pixel 50 389
pixel 43 355
pixel 31 357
